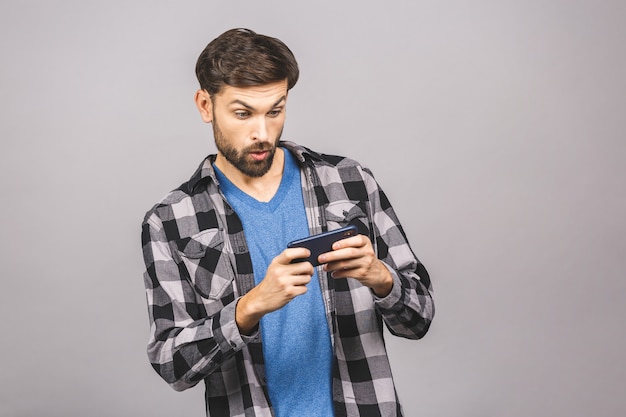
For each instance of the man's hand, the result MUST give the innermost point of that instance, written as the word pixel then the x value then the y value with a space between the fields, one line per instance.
pixel 354 257
pixel 283 282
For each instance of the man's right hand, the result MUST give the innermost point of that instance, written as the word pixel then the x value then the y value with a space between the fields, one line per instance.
pixel 283 282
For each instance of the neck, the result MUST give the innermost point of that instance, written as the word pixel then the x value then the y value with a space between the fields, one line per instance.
pixel 260 188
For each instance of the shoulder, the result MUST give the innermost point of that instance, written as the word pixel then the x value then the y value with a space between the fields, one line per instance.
pixel 340 178
pixel 321 161
pixel 343 169
pixel 165 209
pixel 185 200
pixel 338 161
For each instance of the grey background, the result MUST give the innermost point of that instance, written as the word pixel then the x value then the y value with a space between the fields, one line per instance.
pixel 496 127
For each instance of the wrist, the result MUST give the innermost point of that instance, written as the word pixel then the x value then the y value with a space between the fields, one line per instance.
pixel 385 284
pixel 245 315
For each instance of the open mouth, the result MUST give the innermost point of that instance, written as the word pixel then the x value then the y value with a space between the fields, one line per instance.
pixel 259 155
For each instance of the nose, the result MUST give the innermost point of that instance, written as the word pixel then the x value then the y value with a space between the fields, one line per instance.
pixel 260 132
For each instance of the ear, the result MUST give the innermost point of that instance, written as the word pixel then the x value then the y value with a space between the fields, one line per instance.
pixel 204 105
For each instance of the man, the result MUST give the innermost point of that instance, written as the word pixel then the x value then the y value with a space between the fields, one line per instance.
pixel 229 306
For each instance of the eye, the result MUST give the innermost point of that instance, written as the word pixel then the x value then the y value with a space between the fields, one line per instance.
pixel 274 113
pixel 241 114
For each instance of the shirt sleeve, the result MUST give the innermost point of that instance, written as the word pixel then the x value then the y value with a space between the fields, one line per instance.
pixel 408 309
pixel 185 345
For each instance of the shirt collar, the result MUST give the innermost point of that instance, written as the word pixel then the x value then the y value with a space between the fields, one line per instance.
pixel 205 171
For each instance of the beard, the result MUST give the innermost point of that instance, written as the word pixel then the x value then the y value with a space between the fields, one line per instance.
pixel 241 159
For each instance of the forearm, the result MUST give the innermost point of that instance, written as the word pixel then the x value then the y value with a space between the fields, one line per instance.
pixel 189 338
pixel 408 309
pixel 186 353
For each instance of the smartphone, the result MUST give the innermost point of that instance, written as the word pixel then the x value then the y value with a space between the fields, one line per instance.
pixel 322 242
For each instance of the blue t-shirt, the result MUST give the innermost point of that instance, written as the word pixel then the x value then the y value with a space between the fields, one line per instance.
pixel 296 338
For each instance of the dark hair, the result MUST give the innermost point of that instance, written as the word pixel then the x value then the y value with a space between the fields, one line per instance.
pixel 241 58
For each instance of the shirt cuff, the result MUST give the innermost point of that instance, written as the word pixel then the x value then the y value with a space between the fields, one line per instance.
pixel 232 337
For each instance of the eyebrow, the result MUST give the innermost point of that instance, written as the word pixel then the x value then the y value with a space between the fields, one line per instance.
pixel 249 107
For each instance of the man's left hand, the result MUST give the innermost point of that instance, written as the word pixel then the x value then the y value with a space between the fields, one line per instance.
pixel 354 257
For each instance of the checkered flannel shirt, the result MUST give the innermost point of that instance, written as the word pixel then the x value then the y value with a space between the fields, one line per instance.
pixel 198 266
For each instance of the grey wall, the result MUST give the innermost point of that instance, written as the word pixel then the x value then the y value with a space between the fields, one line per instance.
pixel 496 127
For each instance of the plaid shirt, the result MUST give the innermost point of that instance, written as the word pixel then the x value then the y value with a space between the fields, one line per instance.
pixel 198 266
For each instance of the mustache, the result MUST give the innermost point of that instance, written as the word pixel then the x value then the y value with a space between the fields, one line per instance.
pixel 259 147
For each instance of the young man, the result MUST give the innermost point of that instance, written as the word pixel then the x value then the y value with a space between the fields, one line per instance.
pixel 227 304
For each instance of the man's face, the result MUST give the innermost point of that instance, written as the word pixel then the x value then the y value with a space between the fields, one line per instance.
pixel 247 125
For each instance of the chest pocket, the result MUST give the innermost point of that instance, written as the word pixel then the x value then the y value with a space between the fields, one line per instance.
pixel 347 212
pixel 207 264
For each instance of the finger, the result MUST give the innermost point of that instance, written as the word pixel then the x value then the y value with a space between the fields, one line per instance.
pixel 340 255
pixel 299 280
pixel 300 268
pixel 291 254
pixel 357 241
pixel 342 265
pixel 346 273
pixel 298 290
